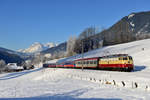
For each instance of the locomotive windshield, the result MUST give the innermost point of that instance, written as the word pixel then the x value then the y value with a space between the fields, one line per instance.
pixel 130 57
pixel 125 58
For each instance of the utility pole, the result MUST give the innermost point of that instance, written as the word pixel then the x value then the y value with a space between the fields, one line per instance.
pixel 82 54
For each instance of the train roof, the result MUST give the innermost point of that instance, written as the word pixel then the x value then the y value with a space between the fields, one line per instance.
pixel 87 58
pixel 115 55
pixel 108 56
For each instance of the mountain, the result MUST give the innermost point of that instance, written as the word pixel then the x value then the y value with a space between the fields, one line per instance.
pixel 37 47
pixel 7 50
pixel 139 22
pixel 133 27
pixel 22 55
pixel 57 49
pixel 10 56
pixel 50 45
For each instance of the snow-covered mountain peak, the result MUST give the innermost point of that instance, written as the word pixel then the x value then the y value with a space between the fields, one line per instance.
pixel 37 47
pixel 36 43
pixel 50 45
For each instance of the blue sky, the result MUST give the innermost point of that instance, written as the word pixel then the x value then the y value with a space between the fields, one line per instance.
pixel 23 22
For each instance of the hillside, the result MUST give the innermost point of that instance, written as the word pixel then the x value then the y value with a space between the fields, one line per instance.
pixel 54 50
pixel 133 27
pixel 10 57
pixel 73 84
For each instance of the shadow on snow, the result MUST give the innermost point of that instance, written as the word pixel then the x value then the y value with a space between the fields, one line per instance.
pixel 64 96
pixel 139 68
pixel 57 98
pixel 18 74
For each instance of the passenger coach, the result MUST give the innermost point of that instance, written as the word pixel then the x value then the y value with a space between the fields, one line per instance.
pixel 87 63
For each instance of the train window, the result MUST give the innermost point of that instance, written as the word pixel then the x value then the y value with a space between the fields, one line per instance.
pixel 87 62
pixel 95 62
pixel 125 58
pixel 130 57
pixel 91 62
pixel 83 62
pixel 121 58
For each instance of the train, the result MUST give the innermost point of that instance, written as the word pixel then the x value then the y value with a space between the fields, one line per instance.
pixel 116 62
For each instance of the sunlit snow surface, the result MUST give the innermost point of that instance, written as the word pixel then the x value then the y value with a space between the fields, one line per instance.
pixel 73 84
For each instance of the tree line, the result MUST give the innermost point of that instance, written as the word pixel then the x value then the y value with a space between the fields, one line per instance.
pixel 84 42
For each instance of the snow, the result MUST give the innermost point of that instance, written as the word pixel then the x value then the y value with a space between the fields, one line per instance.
pixel 14 66
pixel 53 61
pixel 73 84
pixel 37 47
pixel 50 45
pixel 131 23
pixel 130 16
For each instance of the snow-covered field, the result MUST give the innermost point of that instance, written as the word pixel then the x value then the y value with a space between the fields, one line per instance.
pixel 72 84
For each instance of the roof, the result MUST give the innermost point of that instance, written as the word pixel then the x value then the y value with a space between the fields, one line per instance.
pixel 87 58
pixel 115 55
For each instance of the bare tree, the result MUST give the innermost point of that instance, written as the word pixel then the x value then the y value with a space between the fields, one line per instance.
pixel 86 40
pixel 2 65
pixel 88 32
pixel 70 46
pixel 37 59
pixel 58 55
